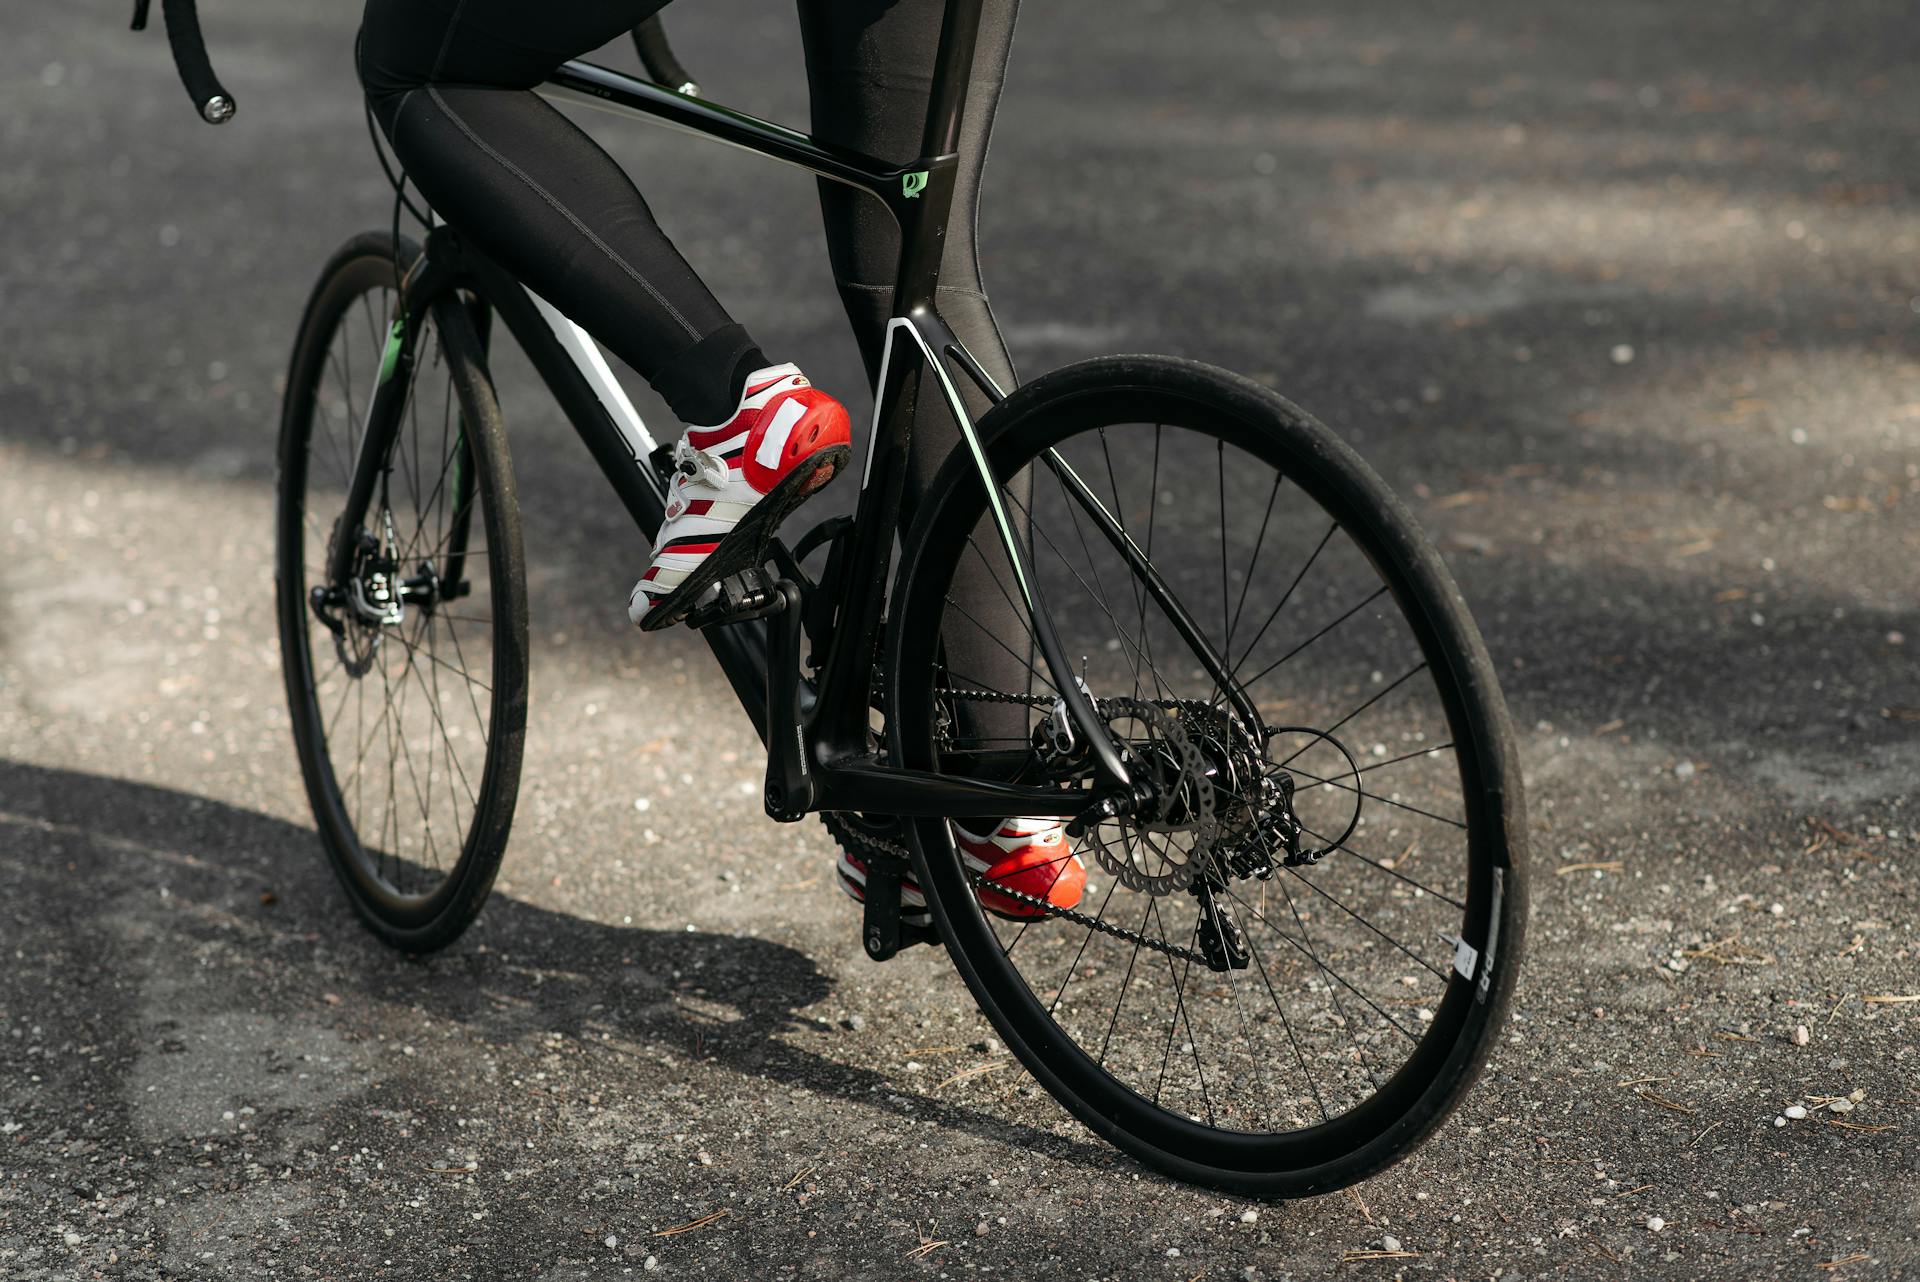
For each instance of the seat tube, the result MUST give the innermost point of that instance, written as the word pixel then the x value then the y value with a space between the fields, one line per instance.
pixel 952 73
pixel 922 206
pixel 924 202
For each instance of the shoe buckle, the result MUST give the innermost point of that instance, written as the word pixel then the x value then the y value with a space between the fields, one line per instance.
pixel 696 464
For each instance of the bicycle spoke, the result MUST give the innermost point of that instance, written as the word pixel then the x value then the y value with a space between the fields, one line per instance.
pixel 413 775
pixel 1220 475
pixel 1186 1021
pixel 1382 765
pixel 1246 584
pixel 1019 610
pixel 1254 1058
pixel 1279 1009
pixel 1132 959
pixel 989 634
pixel 342 449
pixel 433 708
pixel 1374 796
pixel 1139 588
pixel 1391 872
pixel 1233 667
pixel 472 681
pixel 391 814
pixel 1100 600
pixel 1119 515
pixel 1395 685
pixel 1311 953
pixel 1106 607
pixel 1317 889
pixel 1299 1056
pixel 360 757
pixel 1099 915
pixel 1381 591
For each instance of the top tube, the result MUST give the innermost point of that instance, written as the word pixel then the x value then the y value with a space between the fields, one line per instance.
pixel 590 85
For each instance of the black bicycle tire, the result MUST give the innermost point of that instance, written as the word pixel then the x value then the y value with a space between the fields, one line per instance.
pixel 440 917
pixel 1016 430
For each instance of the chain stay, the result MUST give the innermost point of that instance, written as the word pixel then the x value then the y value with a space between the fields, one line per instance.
pixel 847 833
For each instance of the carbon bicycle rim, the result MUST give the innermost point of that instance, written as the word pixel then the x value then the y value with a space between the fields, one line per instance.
pixel 1283 975
pixel 407 684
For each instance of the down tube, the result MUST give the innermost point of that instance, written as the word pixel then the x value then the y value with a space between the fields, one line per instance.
pixel 741 648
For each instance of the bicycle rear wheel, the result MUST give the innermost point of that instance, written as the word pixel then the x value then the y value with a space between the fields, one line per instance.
pixel 407 685
pixel 1286 973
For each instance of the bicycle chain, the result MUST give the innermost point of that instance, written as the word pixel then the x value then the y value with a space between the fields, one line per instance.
pixel 848 834
pixel 997 696
pixel 1099 705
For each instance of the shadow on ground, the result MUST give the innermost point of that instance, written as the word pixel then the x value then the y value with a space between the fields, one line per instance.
pixel 83 853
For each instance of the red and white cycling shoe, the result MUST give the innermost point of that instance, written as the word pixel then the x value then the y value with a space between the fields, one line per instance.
pixel 732 486
pixel 1030 856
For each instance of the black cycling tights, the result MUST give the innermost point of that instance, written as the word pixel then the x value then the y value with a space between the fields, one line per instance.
pixel 450 82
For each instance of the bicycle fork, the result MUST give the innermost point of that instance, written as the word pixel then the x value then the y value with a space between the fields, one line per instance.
pixel 361 573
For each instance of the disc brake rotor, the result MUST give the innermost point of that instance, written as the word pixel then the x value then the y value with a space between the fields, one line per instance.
pixel 1164 850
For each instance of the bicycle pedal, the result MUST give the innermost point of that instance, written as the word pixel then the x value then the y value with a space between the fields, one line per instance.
pixel 750 594
pixel 882 933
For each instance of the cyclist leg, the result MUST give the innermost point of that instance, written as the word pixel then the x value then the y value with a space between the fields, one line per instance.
pixel 870 72
pixel 451 81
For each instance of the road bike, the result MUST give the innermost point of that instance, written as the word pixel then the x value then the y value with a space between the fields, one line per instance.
pixel 1247 683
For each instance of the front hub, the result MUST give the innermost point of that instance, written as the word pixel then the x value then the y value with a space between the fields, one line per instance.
pixel 373 599
pixel 374 590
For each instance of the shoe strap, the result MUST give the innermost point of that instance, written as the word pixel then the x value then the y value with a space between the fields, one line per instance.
pixel 694 465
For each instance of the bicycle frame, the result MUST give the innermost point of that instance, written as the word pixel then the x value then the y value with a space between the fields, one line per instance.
pixel 824 755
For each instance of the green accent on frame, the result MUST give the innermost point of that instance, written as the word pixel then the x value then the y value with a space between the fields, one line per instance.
pixel 391 356
pixel 461 496
pixel 913 184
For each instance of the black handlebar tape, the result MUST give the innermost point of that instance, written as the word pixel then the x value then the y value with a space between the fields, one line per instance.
pixel 650 38
pixel 210 98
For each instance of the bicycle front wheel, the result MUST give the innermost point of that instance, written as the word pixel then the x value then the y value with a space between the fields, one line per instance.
pixel 407 684
pixel 1284 971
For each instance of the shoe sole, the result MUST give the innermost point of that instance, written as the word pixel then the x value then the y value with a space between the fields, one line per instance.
pixel 745 545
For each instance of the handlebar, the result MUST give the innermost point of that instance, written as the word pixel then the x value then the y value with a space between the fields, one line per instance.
pixel 210 98
pixel 216 106
pixel 650 38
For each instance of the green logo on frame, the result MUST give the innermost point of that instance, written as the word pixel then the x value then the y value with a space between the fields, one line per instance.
pixel 913 184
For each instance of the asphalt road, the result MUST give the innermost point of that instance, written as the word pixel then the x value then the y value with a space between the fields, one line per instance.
pixel 1622 297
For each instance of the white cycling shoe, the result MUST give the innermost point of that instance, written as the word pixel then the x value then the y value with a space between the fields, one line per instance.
pixel 732 486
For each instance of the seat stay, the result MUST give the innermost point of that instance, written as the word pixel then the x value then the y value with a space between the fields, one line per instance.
pixel 889 442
